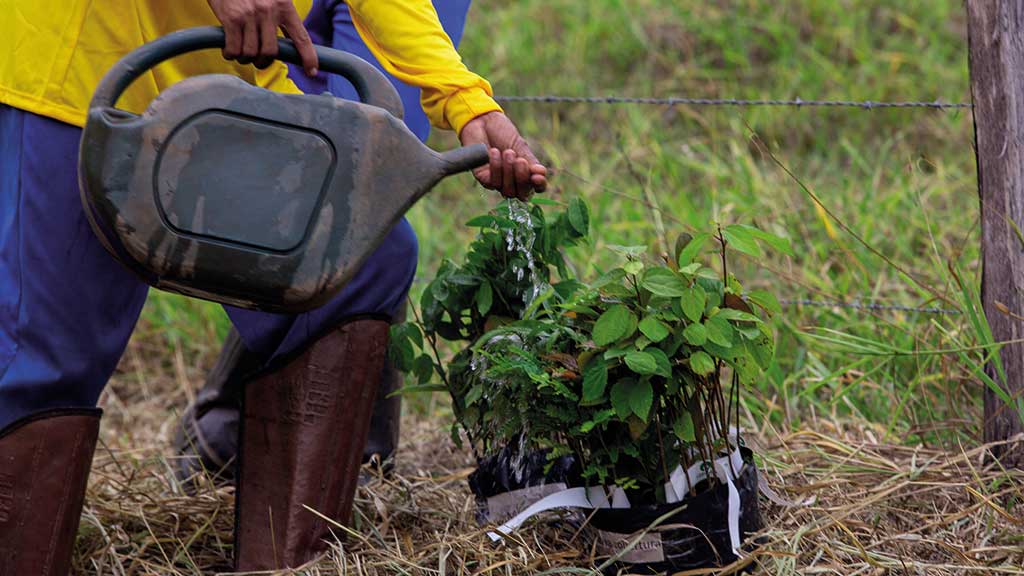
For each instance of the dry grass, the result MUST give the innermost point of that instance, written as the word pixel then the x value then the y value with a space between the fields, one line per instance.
pixel 877 508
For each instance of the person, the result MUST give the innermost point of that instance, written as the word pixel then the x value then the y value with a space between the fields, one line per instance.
pixel 207 439
pixel 67 308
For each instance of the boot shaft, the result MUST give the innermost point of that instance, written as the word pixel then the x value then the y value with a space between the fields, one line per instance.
pixel 44 467
pixel 304 428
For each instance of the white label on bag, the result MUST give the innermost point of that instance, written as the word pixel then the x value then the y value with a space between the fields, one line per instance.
pixel 502 507
pixel 647 549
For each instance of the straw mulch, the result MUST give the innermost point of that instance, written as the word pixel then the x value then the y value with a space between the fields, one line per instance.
pixel 847 503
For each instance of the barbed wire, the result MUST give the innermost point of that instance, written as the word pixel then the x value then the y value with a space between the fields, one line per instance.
pixel 869 306
pixel 673 101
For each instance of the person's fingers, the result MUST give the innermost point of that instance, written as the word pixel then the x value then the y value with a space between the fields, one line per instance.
pixel 522 168
pixel 495 170
pixel 539 183
pixel 268 39
pixel 293 27
pixel 508 176
pixel 483 175
pixel 250 41
pixel 232 39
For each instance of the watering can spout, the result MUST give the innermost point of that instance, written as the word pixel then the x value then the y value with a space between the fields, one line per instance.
pixel 464 159
pixel 225 191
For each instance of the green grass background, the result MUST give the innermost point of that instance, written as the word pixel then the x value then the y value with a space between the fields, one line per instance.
pixel 904 180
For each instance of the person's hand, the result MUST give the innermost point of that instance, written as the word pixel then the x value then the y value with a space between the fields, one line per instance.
pixel 513 169
pixel 250 29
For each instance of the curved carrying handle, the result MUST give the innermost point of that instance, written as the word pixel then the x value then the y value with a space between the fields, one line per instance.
pixel 372 86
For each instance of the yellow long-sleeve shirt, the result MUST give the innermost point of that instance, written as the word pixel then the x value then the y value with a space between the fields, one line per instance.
pixel 56 51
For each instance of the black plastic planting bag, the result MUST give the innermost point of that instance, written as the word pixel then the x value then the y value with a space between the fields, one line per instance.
pixel 504 485
pixel 695 537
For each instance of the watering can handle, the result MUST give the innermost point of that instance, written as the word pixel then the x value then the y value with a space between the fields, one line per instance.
pixel 372 86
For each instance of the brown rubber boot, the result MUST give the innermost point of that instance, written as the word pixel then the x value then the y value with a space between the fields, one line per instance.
pixel 44 465
pixel 304 427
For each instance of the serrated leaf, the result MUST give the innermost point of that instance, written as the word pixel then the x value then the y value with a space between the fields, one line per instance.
pixel 616 323
pixel 701 363
pixel 620 396
pixel 641 397
pixel 595 379
pixel 720 331
pixel 579 216
pixel 696 334
pixel 484 298
pixel 687 254
pixel 740 239
pixel 693 301
pixel 641 363
pixel 683 428
pixel 654 329
pixel 664 282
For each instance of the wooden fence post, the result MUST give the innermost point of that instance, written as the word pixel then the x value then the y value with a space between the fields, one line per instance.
pixel 996 39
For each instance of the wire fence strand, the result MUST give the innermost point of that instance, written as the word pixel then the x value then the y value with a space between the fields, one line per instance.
pixel 674 101
pixel 869 306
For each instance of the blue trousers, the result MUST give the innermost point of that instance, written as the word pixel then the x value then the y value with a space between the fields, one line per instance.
pixel 67 309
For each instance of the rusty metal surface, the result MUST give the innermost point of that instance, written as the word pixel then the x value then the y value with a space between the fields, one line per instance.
pixel 232 193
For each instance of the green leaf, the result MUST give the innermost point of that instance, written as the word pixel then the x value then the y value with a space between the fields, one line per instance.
pixel 641 363
pixel 683 428
pixel 741 240
pixel 696 334
pixel 423 368
pixel 766 300
pixel 543 201
pixel 475 393
pixel 778 243
pixel 737 315
pixel 664 282
pixel 419 389
pixel 701 363
pixel 595 379
pixel 664 365
pixel 693 301
pixel 633 267
pixel 628 251
pixel 483 221
pixel 616 323
pixel 687 254
pixel 720 331
pixel 484 298
pixel 620 398
pixel 762 349
pixel 579 216
pixel 641 397
pixel 618 351
pixel 682 240
pixel 654 329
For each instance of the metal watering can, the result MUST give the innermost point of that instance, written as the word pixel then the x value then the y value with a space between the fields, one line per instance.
pixel 229 192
